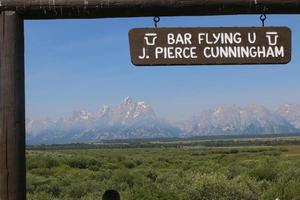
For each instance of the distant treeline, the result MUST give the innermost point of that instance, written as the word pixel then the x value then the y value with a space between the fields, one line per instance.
pixel 206 141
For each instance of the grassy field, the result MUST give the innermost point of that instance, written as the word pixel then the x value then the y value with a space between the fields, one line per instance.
pixel 206 173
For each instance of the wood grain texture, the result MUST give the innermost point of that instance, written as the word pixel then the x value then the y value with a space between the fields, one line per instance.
pixel 56 9
pixel 12 108
pixel 198 46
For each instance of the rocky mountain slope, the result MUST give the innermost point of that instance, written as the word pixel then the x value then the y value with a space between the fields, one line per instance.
pixel 128 120
pixel 132 119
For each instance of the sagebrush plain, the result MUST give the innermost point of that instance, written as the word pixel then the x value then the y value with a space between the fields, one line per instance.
pixel 249 172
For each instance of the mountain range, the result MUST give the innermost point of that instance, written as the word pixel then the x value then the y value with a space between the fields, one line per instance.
pixel 132 119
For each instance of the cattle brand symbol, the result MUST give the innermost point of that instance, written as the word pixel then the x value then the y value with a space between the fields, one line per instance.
pixel 198 46
pixel 272 38
pixel 150 38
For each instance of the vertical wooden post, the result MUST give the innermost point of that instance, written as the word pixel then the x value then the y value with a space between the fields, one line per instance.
pixel 12 108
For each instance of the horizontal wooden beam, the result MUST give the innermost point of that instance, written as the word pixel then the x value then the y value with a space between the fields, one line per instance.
pixel 57 9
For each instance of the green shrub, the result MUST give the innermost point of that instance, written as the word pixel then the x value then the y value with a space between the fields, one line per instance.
pixel 129 164
pixel 40 196
pixel 265 170
pixel 283 189
pixel 124 177
pixel 77 163
pixel 76 190
pixel 217 187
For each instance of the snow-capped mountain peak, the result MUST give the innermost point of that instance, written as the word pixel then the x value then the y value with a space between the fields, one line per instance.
pixel 127 118
pixel 81 115
pixel 127 100
pixel 137 119
pixel 290 112
pixel 251 119
pixel 105 109
pixel 143 104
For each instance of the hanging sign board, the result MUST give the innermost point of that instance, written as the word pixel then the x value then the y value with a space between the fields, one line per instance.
pixel 205 46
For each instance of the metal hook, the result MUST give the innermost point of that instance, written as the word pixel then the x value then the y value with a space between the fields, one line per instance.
pixel 263 18
pixel 156 19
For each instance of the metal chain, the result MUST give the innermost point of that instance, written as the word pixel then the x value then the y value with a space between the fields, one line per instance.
pixel 263 18
pixel 156 19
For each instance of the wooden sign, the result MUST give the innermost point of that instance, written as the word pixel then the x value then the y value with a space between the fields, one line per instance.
pixel 205 46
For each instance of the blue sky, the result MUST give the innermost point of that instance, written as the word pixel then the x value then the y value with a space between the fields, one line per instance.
pixel 83 64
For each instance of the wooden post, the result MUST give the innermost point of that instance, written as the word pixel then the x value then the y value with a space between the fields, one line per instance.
pixel 12 108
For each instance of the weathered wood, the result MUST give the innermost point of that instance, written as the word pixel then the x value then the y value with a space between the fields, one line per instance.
pixel 55 9
pixel 12 108
pixel 210 46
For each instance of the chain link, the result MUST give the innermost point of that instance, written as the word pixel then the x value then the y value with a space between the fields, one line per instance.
pixel 156 19
pixel 263 18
